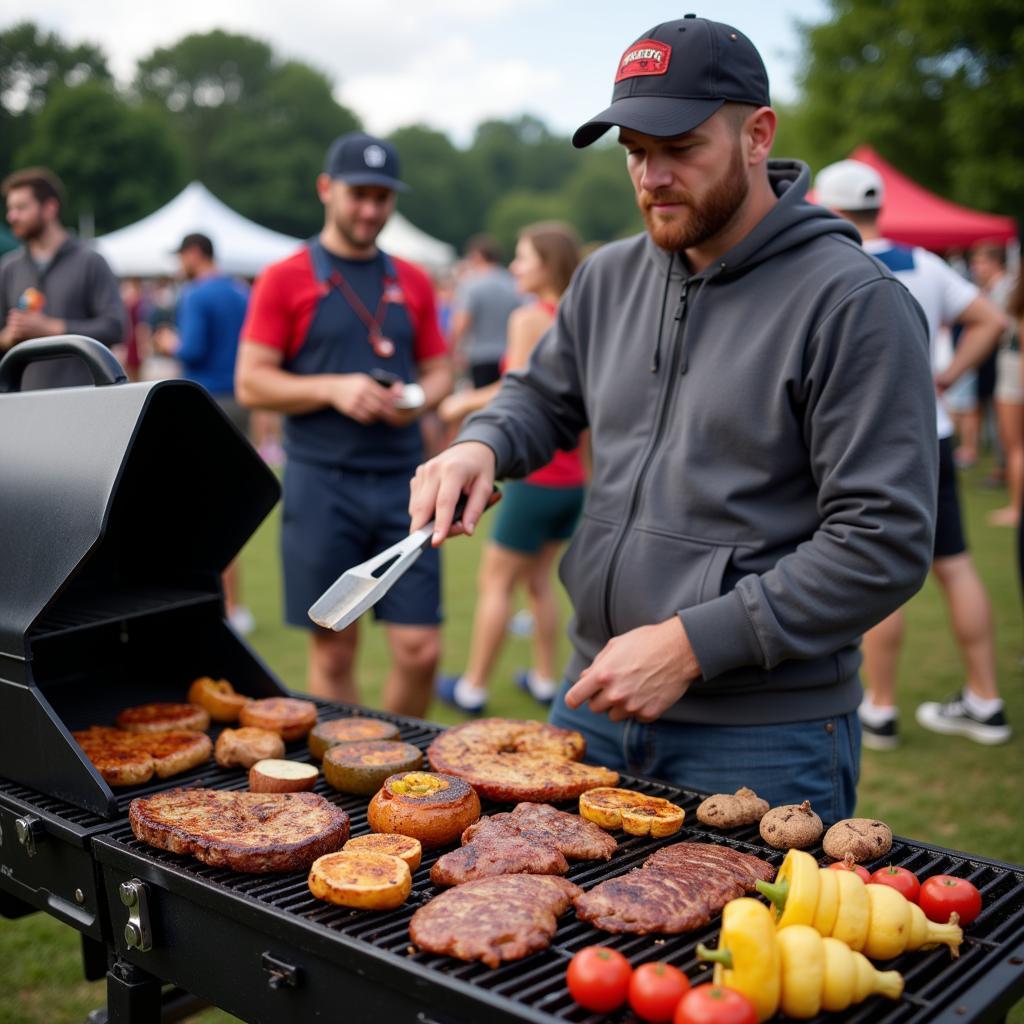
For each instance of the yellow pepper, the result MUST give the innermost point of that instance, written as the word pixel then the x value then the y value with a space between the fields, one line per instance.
pixel 747 958
pixel 839 905
pixel 793 969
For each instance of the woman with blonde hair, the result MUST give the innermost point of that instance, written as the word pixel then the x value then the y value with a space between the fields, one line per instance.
pixel 537 515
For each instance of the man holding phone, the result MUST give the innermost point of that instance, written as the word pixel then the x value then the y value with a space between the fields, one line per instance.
pixel 344 340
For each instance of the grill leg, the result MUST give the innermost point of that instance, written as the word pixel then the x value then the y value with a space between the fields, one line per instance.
pixel 133 995
pixel 94 959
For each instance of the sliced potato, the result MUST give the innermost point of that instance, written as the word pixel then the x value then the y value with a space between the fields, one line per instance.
pixel 635 813
pixel 242 748
pixel 365 880
pixel 406 847
pixel 363 767
pixel 348 730
pixel 276 775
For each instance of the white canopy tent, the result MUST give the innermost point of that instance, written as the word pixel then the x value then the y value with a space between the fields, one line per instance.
pixel 242 247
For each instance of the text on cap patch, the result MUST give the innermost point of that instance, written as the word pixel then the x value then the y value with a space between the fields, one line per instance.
pixel 644 57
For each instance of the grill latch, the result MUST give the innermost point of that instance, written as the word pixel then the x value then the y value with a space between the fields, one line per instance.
pixel 137 932
pixel 280 974
pixel 30 831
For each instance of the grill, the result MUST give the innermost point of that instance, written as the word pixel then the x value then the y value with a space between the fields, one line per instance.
pixel 95 619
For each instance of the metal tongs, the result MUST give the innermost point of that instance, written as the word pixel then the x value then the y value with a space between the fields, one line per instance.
pixel 358 589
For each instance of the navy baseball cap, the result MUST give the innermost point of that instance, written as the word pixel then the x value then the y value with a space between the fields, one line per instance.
pixel 676 76
pixel 360 159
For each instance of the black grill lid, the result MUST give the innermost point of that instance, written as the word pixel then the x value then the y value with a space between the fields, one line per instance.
pixel 112 490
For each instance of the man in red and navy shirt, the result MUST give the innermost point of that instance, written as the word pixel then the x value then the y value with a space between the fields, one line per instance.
pixel 344 340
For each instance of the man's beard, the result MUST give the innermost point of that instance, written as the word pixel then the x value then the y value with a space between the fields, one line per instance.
pixel 357 237
pixel 29 231
pixel 701 222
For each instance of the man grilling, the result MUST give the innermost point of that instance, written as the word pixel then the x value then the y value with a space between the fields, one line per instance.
pixel 759 400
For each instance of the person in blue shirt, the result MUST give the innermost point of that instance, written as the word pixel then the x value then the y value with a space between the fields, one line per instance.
pixel 209 317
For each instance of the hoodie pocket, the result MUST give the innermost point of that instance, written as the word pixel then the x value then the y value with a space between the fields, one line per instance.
pixel 657 574
pixel 583 572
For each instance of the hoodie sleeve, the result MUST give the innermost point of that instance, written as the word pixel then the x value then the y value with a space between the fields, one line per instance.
pixel 107 322
pixel 869 425
pixel 540 408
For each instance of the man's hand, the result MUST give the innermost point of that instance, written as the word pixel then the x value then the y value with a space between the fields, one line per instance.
pixel 360 397
pixel 23 324
pixel 466 468
pixel 639 674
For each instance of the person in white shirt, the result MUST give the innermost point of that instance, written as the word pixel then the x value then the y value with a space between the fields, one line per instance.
pixel 856 191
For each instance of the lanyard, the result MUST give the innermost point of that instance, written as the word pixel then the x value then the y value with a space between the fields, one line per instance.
pixel 383 347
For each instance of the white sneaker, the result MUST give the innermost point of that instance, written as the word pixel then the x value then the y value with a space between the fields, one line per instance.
pixel 242 620
pixel 954 718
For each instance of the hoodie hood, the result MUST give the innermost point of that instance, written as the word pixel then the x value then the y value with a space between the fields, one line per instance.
pixel 792 221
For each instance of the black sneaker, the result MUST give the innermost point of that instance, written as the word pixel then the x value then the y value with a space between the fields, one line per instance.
pixel 880 737
pixel 953 718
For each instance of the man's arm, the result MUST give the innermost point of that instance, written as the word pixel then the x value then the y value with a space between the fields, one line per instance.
pixel 983 325
pixel 194 338
pixel 261 383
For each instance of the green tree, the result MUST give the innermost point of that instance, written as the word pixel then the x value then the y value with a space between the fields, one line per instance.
pixel 599 199
pixel 117 160
pixel 32 64
pixel 445 198
pixel 252 128
pixel 936 87
pixel 517 208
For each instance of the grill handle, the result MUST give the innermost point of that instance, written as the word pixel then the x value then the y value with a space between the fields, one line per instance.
pixel 105 369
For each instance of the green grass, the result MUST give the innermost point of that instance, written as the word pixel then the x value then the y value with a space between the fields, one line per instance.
pixel 945 791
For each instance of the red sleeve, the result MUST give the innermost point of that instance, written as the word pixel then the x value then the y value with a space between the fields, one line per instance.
pixel 429 342
pixel 282 303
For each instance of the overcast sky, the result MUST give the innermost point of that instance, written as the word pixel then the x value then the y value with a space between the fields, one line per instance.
pixel 446 63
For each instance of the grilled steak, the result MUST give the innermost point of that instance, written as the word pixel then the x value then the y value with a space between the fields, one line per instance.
pixel 493 919
pixel 509 760
pixel 680 856
pixel 679 888
pixel 532 839
pixel 575 838
pixel 502 852
pixel 253 832
pixel 128 758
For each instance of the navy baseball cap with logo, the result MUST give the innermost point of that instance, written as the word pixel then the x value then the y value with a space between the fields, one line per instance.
pixel 360 159
pixel 676 76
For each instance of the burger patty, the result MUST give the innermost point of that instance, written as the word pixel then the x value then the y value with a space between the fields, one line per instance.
pixel 678 889
pixel 128 758
pixel 252 832
pixel 508 760
pixel 494 919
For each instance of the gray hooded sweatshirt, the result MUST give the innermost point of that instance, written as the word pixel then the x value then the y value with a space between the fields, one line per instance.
pixel 764 455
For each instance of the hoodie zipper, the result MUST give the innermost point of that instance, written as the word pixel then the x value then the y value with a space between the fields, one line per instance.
pixel 676 356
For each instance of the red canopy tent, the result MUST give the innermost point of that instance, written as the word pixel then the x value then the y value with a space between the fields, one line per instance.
pixel 913 215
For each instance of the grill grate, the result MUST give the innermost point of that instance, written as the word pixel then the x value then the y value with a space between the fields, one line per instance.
pixel 536 986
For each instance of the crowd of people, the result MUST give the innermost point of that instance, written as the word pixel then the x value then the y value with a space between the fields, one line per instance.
pixel 741 421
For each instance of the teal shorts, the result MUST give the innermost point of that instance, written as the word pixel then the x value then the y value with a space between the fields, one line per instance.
pixel 530 516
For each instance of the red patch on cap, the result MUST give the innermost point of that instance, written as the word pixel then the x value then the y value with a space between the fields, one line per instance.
pixel 644 57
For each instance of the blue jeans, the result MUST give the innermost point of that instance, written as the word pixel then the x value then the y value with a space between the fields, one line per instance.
pixel 785 764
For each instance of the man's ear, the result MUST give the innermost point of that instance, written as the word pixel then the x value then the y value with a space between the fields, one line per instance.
pixel 323 187
pixel 758 134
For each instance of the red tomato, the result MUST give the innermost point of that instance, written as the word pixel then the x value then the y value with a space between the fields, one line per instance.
pixel 942 895
pixel 902 880
pixel 598 978
pixel 655 991
pixel 862 872
pixel 715 1004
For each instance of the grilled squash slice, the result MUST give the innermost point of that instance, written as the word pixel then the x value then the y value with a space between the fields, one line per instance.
pixel 405 847
pixel 635 813
pixel 363 767
pixel 366 881
pixel 349 730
